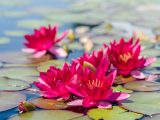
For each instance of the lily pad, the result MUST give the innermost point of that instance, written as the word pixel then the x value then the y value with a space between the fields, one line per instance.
pixel 112 114
pixel 120 88
pixel 82 118
pixel 47 115
pixel 43 67
pixel 154 117
pixel 10 100
pixel 18 73
pixel 7 84
pixel 142 86
pixel 20 57
pixel 4 40
pixel 15 33
pixel 150 52
pixel 143 102
pixel 49 104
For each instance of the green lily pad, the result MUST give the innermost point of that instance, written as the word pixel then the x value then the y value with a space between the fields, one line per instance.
pixel 156 63
pixel 7 84
pixel 82 118
pixel 10 100
pixel 112 114
pixel 142 86
pixel 21 58
pixel 4 40
pixel 47 115
pixel 15 33
pixel 18 73
pixel 153 117
pixel 49 104
pixel 43 67
pixel 150 52
pixel 143 102
pixel 120 88
pixel 34 23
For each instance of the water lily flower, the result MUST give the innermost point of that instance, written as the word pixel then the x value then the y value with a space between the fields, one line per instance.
pixel 25 106
pixel 95 60
pixel 125 57
pixel 91 83
pixel 44 40
pixel 53 82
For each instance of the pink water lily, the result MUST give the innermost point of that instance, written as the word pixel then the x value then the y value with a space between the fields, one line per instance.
pixel 95 60
pixel 125 57
pixel 91 83
pixel 53 82
pixel 44 40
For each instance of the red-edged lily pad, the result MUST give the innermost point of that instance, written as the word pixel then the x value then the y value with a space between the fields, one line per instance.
pixel 49 104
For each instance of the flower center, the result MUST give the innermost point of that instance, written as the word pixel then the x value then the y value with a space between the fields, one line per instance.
pixel 125 57
pixel 95 83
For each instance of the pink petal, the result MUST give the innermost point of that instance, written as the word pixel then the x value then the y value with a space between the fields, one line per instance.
pixel 58 52
pixel 117 96
pixel 49 94
pixel 28 50
pixel 137 74
pixel 39 53
pixel 152 78
pixel 104 104
pixel 62 36
pixel 149 61
pixel 77 102
pixel 89 103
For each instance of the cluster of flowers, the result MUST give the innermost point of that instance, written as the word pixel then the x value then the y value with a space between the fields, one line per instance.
pixel 90 77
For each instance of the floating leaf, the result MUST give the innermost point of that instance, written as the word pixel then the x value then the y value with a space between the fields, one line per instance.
pixel 18 73
pixel 34 23
pixel 7 84
pixel 121 89
pixel 142 86
pixel 4 40
pixel 49 104
pixel 10 100
pixel 150 52
pixel 112 114
pixel 82 118
pixel 143 102
pixel 120 79
pixel 43 67
pixel 47 115
pixel 15 33
pixel 20 57
pixel 154 117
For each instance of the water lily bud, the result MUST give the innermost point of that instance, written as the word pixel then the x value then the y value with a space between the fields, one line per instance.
pixel 25 106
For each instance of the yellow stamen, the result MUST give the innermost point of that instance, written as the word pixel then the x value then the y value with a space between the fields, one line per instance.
pixel 95 83
pixel 125 57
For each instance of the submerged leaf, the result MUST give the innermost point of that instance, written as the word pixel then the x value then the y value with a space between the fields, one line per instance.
pixel 112 114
